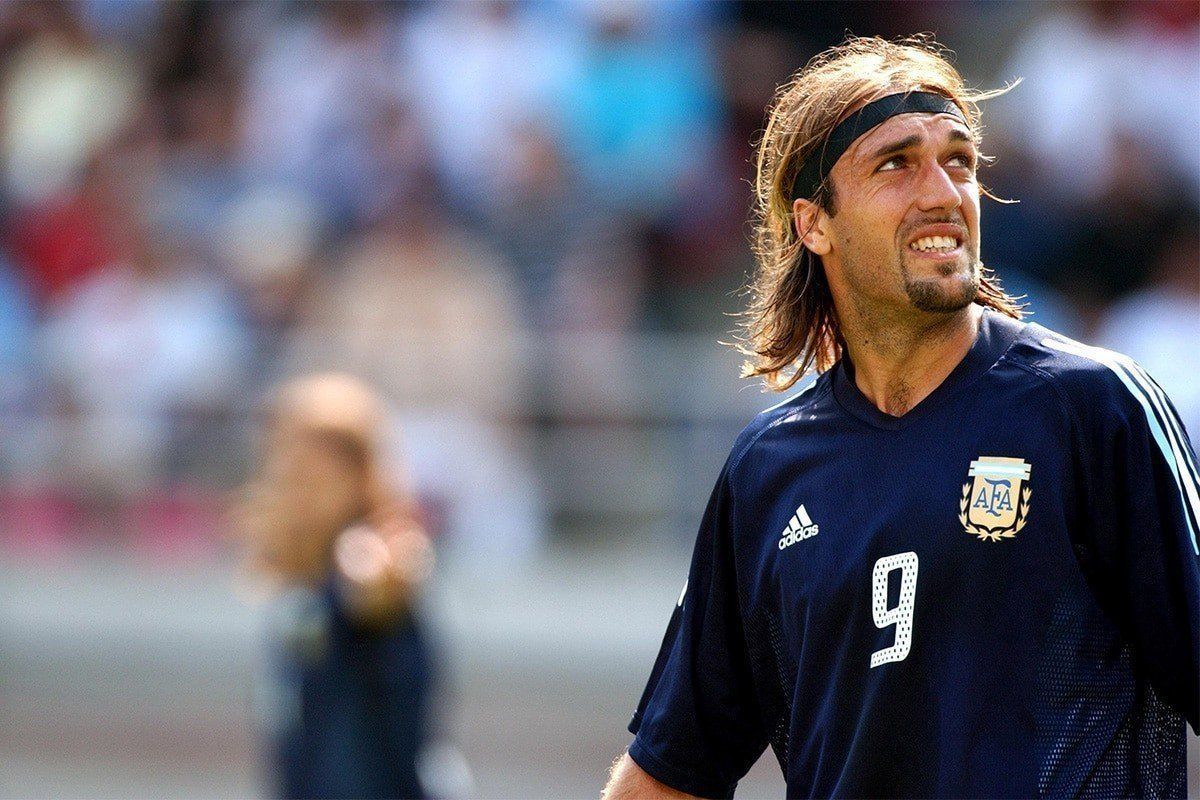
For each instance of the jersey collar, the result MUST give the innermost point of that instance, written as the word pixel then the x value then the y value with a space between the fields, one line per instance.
pixel 996 334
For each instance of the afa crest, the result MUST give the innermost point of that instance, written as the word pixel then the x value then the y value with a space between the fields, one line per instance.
pixel 995 505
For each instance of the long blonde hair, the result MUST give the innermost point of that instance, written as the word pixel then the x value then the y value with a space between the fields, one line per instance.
pixel 790 325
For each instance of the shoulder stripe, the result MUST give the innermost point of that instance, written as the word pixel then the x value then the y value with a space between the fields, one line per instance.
pixel 1166 417
pixel 1171 417
pixel 1178 442
pixel 1161 416
pixel 1170 440
pixel 1158 398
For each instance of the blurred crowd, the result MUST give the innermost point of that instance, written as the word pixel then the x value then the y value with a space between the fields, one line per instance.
pixel 499 213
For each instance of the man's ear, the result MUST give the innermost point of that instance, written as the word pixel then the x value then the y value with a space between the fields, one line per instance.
pixel 810 220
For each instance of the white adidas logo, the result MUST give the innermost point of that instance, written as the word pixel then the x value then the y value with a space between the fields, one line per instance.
pixel 799 527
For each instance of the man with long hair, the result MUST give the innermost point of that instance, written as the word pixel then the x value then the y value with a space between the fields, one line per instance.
pixel 963 562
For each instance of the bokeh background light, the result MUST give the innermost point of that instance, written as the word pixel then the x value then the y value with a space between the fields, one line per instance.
pixel 526 224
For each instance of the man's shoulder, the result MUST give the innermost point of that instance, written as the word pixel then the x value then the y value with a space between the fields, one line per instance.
pixel 779 414
pixel 1091 381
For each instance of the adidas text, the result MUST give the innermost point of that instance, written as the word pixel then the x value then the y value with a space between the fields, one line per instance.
pixel 800 527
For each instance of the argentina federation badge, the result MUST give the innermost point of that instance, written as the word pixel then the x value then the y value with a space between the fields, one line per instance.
pixel 995 502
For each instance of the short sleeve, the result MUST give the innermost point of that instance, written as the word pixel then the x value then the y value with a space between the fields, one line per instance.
pixel 698 728
pixel 1140 505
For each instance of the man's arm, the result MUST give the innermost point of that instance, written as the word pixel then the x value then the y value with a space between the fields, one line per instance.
pixel 698 727
pixel 628 781
pixel 1140 519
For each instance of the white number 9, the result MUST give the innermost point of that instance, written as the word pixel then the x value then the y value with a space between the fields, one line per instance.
pixel 902 615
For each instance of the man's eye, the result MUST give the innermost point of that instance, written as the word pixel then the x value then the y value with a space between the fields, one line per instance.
pixel 895 162
pixel 963 160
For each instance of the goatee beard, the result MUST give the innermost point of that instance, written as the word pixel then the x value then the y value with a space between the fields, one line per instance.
pixel 935 296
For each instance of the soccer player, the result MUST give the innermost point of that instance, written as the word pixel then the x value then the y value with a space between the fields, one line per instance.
pixel 964 561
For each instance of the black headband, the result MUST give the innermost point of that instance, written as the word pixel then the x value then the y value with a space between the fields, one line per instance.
pixel 817 167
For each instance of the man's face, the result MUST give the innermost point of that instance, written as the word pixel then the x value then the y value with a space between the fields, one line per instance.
pixel 905 232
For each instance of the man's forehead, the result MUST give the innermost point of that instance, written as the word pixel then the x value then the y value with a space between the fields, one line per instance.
pixel 935 127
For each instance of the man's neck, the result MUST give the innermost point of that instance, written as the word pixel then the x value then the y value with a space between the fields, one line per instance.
pixel 898 363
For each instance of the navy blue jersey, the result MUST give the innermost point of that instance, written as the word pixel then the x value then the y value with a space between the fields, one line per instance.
pixel 353 701
pixel 995 595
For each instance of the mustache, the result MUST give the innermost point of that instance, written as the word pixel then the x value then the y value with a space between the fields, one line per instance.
pixel 941 219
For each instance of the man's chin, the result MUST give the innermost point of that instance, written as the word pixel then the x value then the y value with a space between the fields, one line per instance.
pixel 942 295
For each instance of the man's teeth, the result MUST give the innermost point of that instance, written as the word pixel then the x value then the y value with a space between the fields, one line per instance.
pixel 935 243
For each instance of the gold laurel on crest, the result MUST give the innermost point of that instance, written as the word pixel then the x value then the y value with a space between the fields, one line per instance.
pixel 989 534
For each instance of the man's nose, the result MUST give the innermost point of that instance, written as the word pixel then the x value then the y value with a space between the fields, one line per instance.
pixel 937 189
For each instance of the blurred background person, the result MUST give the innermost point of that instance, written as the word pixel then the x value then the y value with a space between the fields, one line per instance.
pixel 345 556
